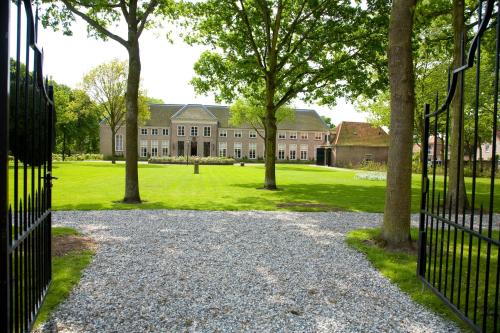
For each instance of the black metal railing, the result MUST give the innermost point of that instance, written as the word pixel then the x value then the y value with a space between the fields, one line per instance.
pixel 459 244
pixel 26 143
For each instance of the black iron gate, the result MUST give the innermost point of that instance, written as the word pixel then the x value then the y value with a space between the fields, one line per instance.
pixel 459 244
pixel 26 141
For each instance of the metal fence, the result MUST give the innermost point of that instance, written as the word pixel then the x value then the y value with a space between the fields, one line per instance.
pixel 26 141
pixel 459 244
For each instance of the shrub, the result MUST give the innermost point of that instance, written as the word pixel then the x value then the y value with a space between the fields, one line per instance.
pixel 201 160
pixel 373 166
pixel 78 157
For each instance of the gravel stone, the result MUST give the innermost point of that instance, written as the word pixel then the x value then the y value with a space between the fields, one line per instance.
pixel 199 271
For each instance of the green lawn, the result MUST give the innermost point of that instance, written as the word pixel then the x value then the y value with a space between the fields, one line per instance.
pixel 66 272
pixel 401 269
pixel 96 185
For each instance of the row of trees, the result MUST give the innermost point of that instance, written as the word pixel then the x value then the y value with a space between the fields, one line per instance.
pixel 265 54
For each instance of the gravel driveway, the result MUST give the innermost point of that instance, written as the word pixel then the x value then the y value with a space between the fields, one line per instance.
pixel 197 271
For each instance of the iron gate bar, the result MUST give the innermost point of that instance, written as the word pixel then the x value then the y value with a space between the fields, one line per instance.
pixel 4 164
pixel 25 222
pixel 470 287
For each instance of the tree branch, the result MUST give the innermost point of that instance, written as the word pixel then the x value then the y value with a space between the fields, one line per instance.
pixel 244 17
pixel 94 23
pixel 144 19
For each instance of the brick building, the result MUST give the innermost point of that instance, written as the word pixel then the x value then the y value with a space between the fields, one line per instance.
pixel 354 143
pixel 205 130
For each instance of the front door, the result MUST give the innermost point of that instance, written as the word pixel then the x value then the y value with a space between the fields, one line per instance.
pixel 180 148
pixel 206 149
pixel 194 148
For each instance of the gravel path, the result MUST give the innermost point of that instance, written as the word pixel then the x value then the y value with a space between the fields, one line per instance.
pixel 197 271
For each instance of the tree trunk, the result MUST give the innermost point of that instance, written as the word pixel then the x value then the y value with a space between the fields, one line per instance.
pixel 113 142
pixel 396 225
pixel 270 152
pixel 64 147
pixel 132 155
pixel 456 189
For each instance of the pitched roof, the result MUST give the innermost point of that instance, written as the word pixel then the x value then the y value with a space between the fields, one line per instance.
pixel 162 114
pixel 360 134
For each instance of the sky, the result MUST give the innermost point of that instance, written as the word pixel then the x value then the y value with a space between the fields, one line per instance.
pixel 167 67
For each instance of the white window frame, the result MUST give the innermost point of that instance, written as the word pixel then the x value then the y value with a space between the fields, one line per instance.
pixel 318 136
pixel 281 151
pixel 304 149
pixel 154 131
pixel 154 148
pixel 238 148
pixel 144 131
pixel 181 130
pixel 118 142
pixel 238 134
pixel 165 145
pixel 164 131
pixel 252 151
pixel 205 128
pixel 223 133
pixel 292 152
pixel 292 135
pixel 252 134
pixel 144 148
pixel 222 149
pixel 194 131
pixel 282 135
pixel 304 136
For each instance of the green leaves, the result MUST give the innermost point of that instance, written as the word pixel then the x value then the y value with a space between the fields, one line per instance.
pixel 317 50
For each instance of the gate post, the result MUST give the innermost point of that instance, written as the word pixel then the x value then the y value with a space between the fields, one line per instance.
pixel 422 237
pixel 4 167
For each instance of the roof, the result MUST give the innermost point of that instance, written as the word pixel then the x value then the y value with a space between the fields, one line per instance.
pixel 360 134
pixel 163 114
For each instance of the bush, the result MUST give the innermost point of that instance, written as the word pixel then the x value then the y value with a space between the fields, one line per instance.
pixel 77 157
pixel 373 166
pixel 201 160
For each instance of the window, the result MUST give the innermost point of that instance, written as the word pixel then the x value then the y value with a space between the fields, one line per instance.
pixel 237 134
pixel 144 131
pixel 118 142
pixel 144 148
pixel 164 148
pixel 303 152
pixel 180 130
pixel 222 149
pixel 281 135
pixel 207 131
pixel 293 152
pixel 237 150
pixel 281 151
pixel 194 131
pixel 165 131
pixel 303 135
pixel 252 151
pixel 223 133
pixel 293 135
pixel 154 131
pixel 317 136
pixel 486 148
pixel 252 134
pixel 154 148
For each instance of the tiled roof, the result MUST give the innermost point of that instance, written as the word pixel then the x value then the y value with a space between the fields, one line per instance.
pixel 307 120
pixel 360 134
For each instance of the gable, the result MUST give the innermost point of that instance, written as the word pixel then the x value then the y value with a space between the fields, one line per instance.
pixel 194 112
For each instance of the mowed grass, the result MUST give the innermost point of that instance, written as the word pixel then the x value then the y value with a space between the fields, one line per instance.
pixel 100 185
pixel 401 267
